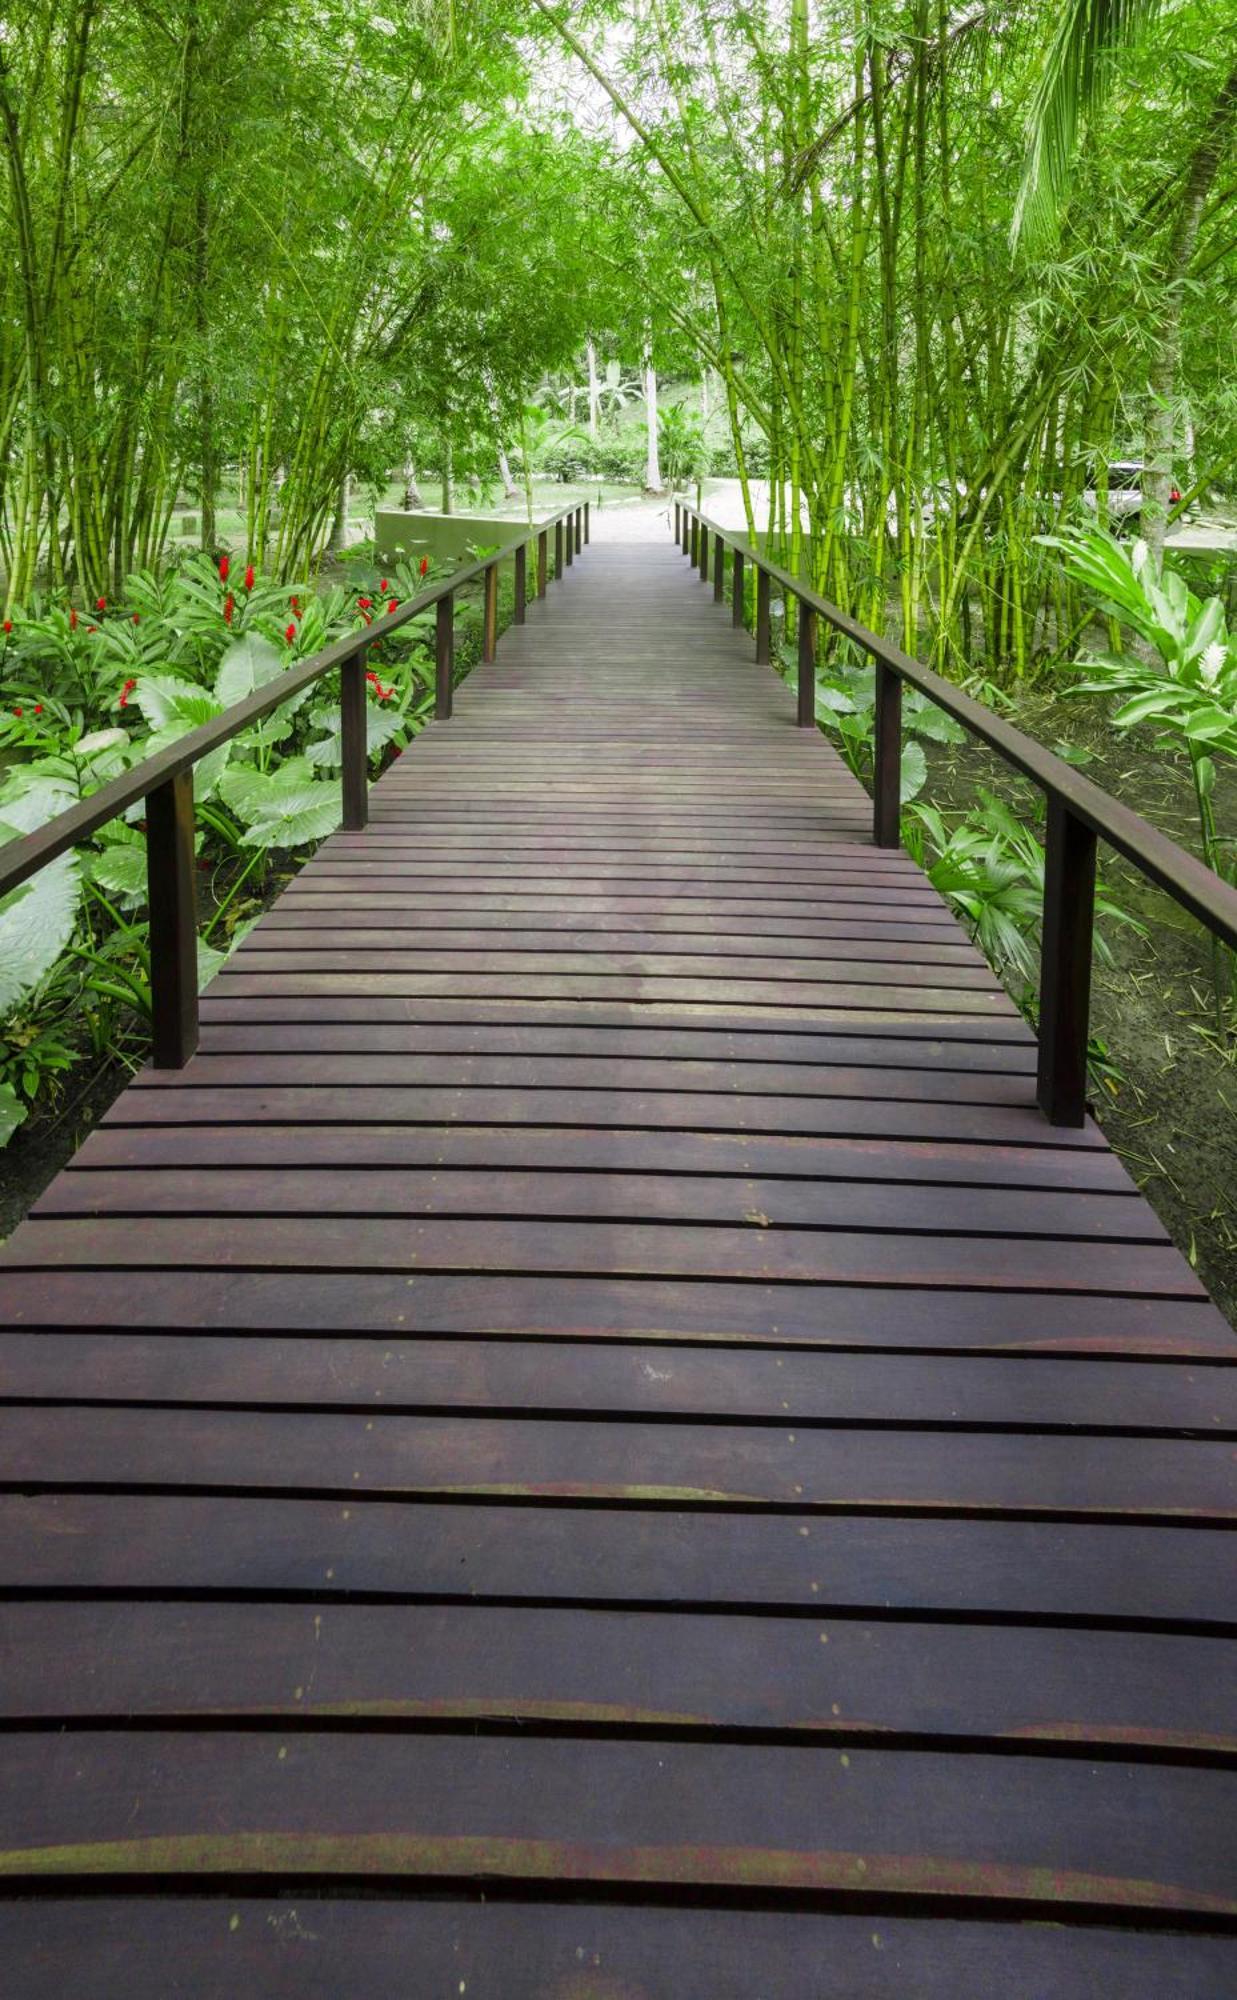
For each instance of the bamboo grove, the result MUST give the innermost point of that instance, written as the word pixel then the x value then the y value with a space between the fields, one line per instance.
pixel 284 239
pixel 300 245
pixel 929 389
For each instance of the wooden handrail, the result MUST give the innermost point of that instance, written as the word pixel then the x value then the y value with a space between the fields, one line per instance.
pixel 165 781
pixel 1079 811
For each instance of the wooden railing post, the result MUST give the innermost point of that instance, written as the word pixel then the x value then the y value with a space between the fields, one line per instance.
pixel 558 550
pixel 693 552
pixel 173 922
pixel 578 519
pixel 588 531
pixel 521 582
pixel 703 551
pixel 354 743
pixel 719 568
pixel 762 617
pixel 685 538
pixel 678 523
pixel 887 759
pixel 444 657
pixel 570 543
pixel 543 562
pixel 1065 966
pixel 737 606
pixel 807 667
pixel 489 634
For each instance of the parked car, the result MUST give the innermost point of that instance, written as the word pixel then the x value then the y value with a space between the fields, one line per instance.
pixel 1125 492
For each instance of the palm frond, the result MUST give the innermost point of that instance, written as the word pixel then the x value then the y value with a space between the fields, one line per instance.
pixel 1073 85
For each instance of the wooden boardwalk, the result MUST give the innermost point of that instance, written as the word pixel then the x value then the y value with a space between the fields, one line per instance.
pixel 596 1422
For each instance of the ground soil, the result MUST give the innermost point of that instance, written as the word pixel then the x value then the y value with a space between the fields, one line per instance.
pixel 1171 1111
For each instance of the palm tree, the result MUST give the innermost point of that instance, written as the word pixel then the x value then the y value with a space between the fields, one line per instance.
pixel 1074 85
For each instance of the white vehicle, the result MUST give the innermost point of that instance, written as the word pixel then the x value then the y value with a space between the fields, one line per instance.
pixel 1125 491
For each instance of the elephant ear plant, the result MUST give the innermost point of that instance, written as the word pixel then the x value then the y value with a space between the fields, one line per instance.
pixel 1181 679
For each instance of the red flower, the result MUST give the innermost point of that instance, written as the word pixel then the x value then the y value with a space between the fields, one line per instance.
pixel 17 711
pixel 72 620
pixel 8 625
pixel 383 587
pixel 38 708
pixel 223 569
pixel 290 634
pixel 393 604
pixel 295 602
pixel 383 694
pixel 228 608
pixel 129 686
pixel 364 603
pixel 425 563
pixel 249 577
pixel 137 618
pixel 100 604
pixel 92 628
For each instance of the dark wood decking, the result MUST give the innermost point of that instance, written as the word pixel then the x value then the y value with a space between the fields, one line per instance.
pixel 595 1391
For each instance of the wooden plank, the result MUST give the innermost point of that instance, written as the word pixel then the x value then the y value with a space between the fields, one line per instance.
pixel 340 1949
pixel 367 1067
pixel 1033 1832
pixel 672 1043
pixel 689 1465
pixel 600 1110
pixel 604 1309
pixel 377 1243
pixel 874 1566
pixel 874 998
pixel 648 1197
pixel 785 1156
pixel 590 1377
pixel 1099 1691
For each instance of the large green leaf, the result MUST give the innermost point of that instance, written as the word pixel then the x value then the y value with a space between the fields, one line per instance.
pixel 36 922
pixel 12 1112
pixel 248 664
pixel 164 699
pixel 283 808
pixel 381 724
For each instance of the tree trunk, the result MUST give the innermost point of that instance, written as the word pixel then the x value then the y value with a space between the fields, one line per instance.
pixel 447 456
pixel 594 392
pixel 652 463
pixel 510 489
pixel 1166 353
pixel 412 492
pixel 339 526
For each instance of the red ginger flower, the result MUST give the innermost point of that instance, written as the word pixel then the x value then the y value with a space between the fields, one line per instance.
pixel 364 603
pixel 72 620
pixel 100 604
pixel 249 577
pixel 383 587
pixel 17 712
pixel 295 602
pixel 425 563
pixel 38 708
pixel 223 569
pixel 393 604
pixel 290 634
pixel 137 618
pixel 8 625
pixel 229 608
